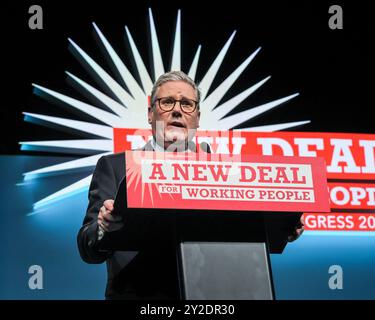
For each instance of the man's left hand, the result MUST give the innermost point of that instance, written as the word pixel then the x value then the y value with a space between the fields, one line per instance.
pixel 298 230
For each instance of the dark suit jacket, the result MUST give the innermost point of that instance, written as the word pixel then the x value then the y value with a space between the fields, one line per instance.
pixel 147 274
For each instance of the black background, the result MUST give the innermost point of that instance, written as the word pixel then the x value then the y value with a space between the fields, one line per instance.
pixel 333 70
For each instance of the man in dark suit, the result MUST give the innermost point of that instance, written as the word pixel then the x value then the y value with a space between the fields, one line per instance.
pixel 151 274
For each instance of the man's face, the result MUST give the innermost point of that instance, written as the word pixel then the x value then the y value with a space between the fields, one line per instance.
pixel 175 126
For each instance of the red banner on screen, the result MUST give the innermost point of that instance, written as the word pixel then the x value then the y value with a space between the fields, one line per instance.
pixel 352 196
pixel 202 181
pixel 347 155
pixel 340 221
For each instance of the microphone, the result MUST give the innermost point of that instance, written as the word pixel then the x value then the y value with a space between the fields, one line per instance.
pixel 205 147
pixel 192 146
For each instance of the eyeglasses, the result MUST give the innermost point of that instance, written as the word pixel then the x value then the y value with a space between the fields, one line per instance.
pixel 168 103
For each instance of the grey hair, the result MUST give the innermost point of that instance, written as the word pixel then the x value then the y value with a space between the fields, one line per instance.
pixel 174 76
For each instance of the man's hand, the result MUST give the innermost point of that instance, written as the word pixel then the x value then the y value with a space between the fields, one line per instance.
pixel 298 230
pixel 106 220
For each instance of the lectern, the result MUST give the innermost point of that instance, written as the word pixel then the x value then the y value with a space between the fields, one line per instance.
pixel 226 255
pixel 222 227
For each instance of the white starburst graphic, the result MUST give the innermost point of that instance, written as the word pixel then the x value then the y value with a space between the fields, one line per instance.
pixel 126 105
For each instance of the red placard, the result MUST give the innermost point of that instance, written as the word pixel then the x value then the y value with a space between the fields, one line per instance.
pixel 216 182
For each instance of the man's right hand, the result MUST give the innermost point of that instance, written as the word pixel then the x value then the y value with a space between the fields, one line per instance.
pixel 106 220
